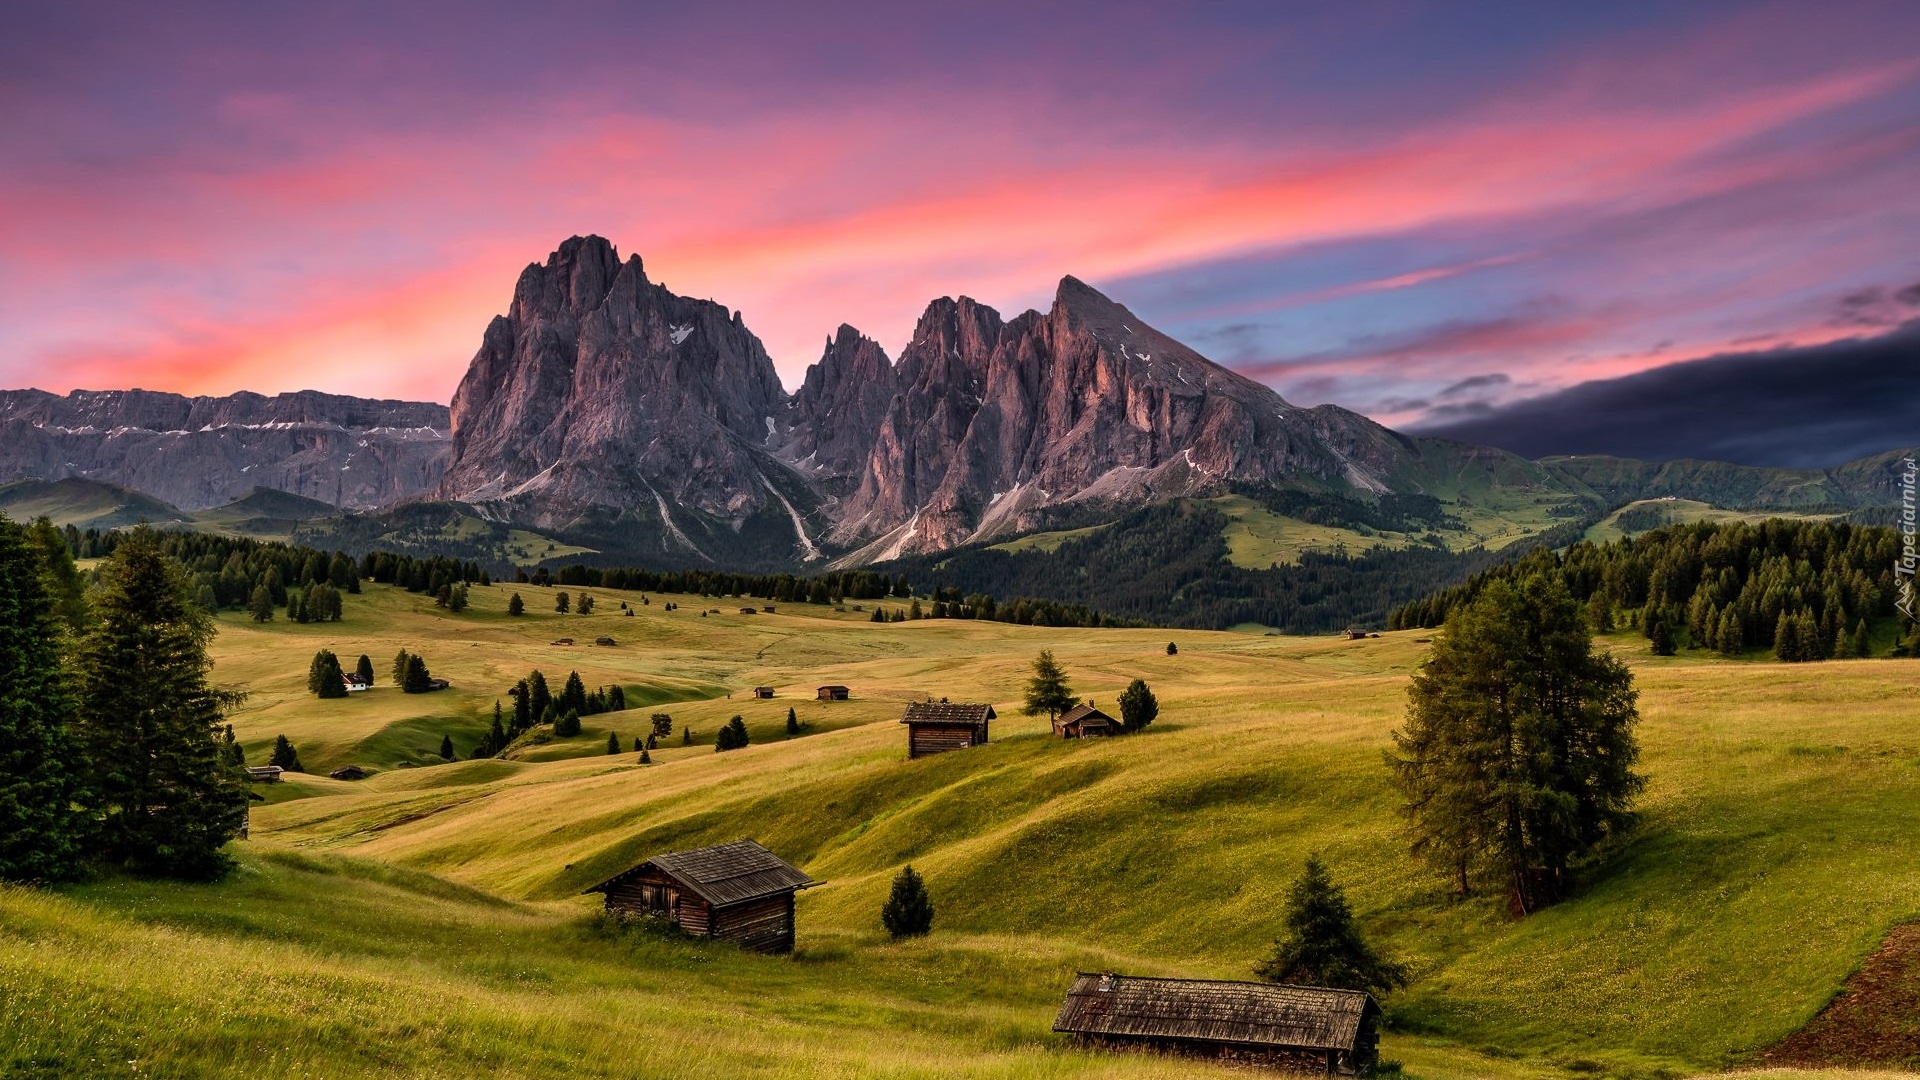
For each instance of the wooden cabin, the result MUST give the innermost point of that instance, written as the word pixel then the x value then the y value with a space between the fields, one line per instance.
pixel 1294 1027
pixel 935 727
pixel 738 892
pixel 763 691
pixel 1083 721
pixel 832 693
pixel 607 641
pixel 264 774
pixel 348 772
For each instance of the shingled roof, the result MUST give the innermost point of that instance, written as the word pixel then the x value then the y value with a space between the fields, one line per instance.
pixel 724 874
pixel 943 712
pixel 1082 712
pixel 1215 1011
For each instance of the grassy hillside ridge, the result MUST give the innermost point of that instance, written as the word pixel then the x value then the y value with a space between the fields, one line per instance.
pixel 1712 931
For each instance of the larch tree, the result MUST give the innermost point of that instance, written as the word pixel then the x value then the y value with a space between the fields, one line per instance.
pixel 1517 753
pixel 1048 691
pixel 150 722
pixel 41 832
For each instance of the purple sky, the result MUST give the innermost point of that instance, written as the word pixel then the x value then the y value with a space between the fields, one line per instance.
pixel 1410 209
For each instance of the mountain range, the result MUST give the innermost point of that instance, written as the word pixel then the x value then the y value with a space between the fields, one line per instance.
pixel 605 409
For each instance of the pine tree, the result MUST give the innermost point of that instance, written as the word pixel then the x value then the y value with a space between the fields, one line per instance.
pixel 1172 649
pixel 686 736
pixel 1048 691
pixel 584 605
pixel 1600 614
pixel 1730 638
pixel 573 694
pixel 638 746
pixel 400 661
pixel 457 598
pixel 497 737
pixel 662 724
pixel 908 911
pixel 793 722
pixel 560 602
pixel 324 677
pixel 261 605
pixel 41 833
pixel 522 706
pixel 231 752
pixel 446 748
pixel 1862 645
pixel 1661 636
pixel 418 677
pixel 1786 639
pixel 539 698
pixel 613 743
pixel 645 758
pixel 1138 706
pixel 879 615
pixel 364 668
pixel 568 725
pixel 1321 944
pixel 284 755
pixel 149 722
pixel 515 605
pixel 65 587
pixel 616 698
pixel 1518 747
pixel 733 736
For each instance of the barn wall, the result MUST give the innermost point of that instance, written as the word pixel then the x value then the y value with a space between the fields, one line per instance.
pixel 643 894
pixel 694 916
pixel 763 925
pixel 928 739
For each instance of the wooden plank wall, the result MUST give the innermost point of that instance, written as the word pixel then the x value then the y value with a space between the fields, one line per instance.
pixel 928 739
pixel 763 925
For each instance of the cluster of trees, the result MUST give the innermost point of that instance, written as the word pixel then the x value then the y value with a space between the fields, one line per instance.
pixel 1049 692
pixel 582 604
pixel 1808 590
pixel 410 673
pixel 429 574
pixel 230 572
pixel 733 736
pixel 535 703
pixel 326 678
pixel 112 741
pixel 1516 758
pixel 1391 513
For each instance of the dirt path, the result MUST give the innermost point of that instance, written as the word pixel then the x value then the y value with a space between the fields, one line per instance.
pixel 1875 1019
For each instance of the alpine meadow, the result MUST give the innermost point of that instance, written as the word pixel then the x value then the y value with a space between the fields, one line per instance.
pixel 986 541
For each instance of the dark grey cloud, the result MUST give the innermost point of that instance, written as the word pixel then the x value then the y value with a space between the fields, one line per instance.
pixel 1814 406
pixel 1477 382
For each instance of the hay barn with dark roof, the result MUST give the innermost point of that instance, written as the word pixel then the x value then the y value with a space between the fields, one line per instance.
pixel 1300 1027
pixel 1083 721
pixel 738 892
pixel 935 727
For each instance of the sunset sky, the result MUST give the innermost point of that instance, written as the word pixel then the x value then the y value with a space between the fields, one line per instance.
pixel 1411 209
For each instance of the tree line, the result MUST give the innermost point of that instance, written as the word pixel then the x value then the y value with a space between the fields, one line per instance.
pixel 112 740
pixel 1807 590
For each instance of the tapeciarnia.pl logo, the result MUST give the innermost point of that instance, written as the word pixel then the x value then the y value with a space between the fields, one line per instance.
pixel 1903 567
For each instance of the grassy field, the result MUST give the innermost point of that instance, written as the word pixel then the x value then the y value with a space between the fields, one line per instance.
pixel 1682 512
pixel 428 921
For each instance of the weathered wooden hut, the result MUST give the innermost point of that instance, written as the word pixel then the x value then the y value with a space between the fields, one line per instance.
pixel 264 774
pixel 1084 720
pixel 832 693
pixel 935 727
pixel 1336 1031
pixel 763 691
pixel 738 892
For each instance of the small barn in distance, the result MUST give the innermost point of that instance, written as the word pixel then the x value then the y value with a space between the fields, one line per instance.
pixel 935 727
pixel 738 892
pixel 1299 1027
pixel 1084 720
pixel 763 691
pixel 832 693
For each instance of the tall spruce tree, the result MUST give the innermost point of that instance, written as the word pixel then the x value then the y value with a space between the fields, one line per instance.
pixel 568 724
pixel 515 605
pixel 364 668
pixel 908 911
pixel 400 667
pixel 1321 944
pixel 1518 749
pixel 150 721
pixel 417 680
pixel 41 833
pixel 1048 691
pixel 613 743
pixel 261 604
pixel 539 698
pixel 573 694
pixel 66 588
pixel 793 721
pixel 446 748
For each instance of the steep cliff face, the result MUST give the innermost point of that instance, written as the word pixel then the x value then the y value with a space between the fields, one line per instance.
pixel 203 452
pixel 1085 405
pixel 603 399
pixel 826 432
